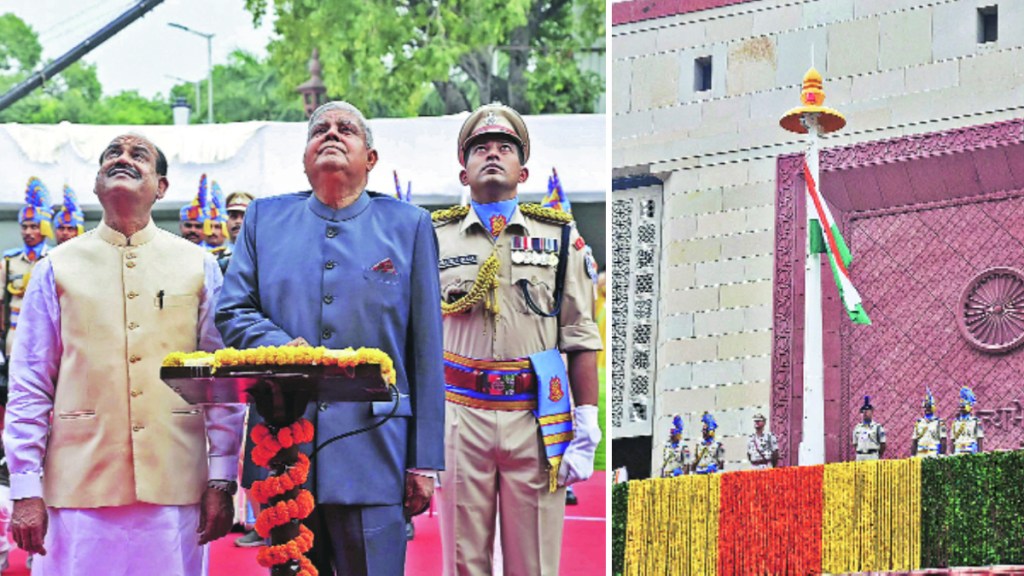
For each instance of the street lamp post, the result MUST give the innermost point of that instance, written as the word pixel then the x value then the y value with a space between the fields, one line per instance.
pixel 195 83
pixel 209 61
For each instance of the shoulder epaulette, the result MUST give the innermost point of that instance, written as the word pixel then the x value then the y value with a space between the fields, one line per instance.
pixel 551 215
pixel 446 215
pixel 11 253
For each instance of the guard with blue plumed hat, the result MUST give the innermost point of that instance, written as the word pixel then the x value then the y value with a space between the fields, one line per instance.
pixel 676 455
pixel 68 219
pixel 193 215
pixel 215 225
pixel 36 223
pixel 966 431
pixel 709 455
pixel 929 437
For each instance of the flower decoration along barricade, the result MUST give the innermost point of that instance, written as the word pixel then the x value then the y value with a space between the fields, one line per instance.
pixel 285 502
pixel 898 515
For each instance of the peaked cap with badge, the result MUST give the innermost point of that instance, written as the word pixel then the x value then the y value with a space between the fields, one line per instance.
pixel 495 118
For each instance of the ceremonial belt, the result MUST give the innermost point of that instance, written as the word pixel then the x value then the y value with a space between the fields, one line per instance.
pixel 490 384
pixel 867 451
pixel 758 462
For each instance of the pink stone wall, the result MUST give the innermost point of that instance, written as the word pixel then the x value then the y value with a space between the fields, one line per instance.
pixel 923 215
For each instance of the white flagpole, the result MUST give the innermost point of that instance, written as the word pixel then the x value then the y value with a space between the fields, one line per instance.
pixel 812 445
pixel 814 119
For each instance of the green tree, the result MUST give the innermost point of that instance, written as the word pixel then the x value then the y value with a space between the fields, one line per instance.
pixel 74 95
pixel 411 57
pixel 20 50
pixel 245 89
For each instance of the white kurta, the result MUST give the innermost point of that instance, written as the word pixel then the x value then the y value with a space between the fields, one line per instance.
pixel 133 540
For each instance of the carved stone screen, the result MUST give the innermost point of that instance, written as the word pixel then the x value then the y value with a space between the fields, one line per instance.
pixel 636 243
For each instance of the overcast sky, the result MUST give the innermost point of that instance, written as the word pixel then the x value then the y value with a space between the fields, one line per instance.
pixel 143 55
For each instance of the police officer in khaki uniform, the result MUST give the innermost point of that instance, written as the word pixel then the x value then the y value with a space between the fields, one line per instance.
pixel 868 435
pixel 515 294
pixel 929 439
pixel 16 268
pixel 762 447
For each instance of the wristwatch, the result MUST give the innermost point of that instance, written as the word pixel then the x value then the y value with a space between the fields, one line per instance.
pixel 228 486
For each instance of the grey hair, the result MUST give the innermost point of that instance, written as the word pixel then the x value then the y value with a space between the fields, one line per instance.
pixel 344 107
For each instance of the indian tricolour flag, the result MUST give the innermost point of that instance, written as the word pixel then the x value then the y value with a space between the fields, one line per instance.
pixel 825 237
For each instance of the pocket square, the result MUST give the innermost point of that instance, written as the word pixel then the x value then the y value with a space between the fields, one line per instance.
pixel 385 266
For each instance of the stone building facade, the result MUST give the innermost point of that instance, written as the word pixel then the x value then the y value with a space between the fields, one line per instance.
pixel 698 88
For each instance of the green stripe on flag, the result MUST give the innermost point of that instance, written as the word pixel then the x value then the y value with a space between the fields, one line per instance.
pixel 857 314
pixel 817 238
pixel 818 246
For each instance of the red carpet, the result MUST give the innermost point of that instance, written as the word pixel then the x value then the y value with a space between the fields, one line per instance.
pixel 583 547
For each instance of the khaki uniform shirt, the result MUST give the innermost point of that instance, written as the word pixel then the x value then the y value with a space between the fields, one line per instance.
pixel 15 281
pixel 929 433
pixel 516 331
pixel 867 439
pixel 760 449
pixel 965 433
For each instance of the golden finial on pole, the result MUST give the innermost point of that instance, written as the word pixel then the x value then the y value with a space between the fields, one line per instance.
pixel 813 99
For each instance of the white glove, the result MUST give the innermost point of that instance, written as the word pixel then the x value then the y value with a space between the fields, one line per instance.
pixel 578 460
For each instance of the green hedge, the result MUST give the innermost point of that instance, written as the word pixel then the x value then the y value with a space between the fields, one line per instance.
pixel 620 510
pixel 972 510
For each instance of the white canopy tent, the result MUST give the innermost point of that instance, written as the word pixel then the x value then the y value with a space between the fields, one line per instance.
pixel 265 158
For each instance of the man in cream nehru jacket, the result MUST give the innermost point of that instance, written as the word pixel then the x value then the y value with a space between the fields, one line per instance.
pixel 121 483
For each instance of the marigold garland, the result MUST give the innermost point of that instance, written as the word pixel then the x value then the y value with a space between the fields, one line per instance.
pixel 294 549
pixel 672 526
pixel 286 356
pixel 295 476
pixel 872 516
pixel 770 521
pixel 284 512
pixel 268 444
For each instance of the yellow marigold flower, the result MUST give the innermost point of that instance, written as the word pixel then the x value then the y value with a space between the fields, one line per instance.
pixel 174 359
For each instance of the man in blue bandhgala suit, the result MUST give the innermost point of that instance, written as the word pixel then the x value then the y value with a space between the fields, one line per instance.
pixel 339 266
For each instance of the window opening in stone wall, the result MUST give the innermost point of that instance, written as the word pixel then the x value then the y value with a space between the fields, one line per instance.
pixel 988 24
pixel 636 247
pixel 702 74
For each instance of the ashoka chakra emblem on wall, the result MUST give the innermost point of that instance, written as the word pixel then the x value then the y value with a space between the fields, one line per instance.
pixel 991 313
